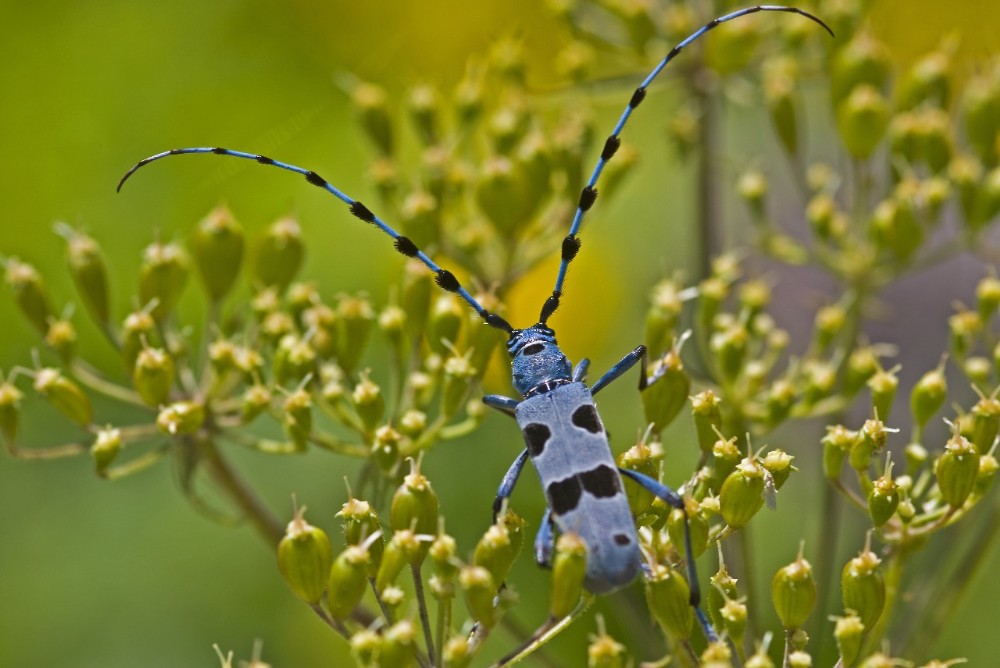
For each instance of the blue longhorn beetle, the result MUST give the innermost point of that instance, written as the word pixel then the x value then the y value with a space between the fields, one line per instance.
pixel 563 434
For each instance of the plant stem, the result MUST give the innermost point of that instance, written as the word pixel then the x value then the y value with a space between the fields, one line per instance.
pixel 263 520
pixel 546 632
pixel 425 619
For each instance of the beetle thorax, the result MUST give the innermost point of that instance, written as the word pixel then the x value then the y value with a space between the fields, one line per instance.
pixel 537 363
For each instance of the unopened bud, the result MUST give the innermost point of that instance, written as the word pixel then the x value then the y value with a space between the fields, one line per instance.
pixel 105 448
pixel 181 418
pixel 793 592
pixel 742 493
pixel 415 507
pixel 278 254
pixel 29 293
pixel 304 559
pixel 64 395
pixel 569 566
pixel 217 247
pixel 956 470
pixel 668 598
pixel 90 275
pixel 162 277
pixel 297 418
pixel 863 587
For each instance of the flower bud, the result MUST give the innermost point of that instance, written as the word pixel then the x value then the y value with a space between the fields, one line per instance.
pixel 862 119
pixel 458 376
pixel 988 467
pixel 415 507
pixel 928 395
pixel 956 470
pixel 424 108
pixel 370 104
pixel 278 254
pixel 722 589
pixel 457 653
pixel 217 247
pixel 697 526
pixel 29 293
pixel 752 187
pixel 849 631
pixel 793 592
pixel 982 115
pixel 368 402
pixel 742 493
pixel 61 337
pixel 90 276
pixel 162 276
pixel 365 647
pixel 569 566
pixel 64 395
pixel 399 646
pixel 988 296
pixel 479 589
pixel 729 347
pixel 639 458
pixel 355 318
pixel 403 548
pixel 348 581
pixel 297 418
pixel 137 328
pixel 985 423
pixel 862 61
pixel 895 227
pixel 799 659
pixel 500 545
pixel 716 655
pixel 153 375
pixel 883 387
pixel 605 652
pixel 779 464
pixel 820 377
pixel 447 316
pixel 780 400
pixel 759 659
pixel 883 499
pixel 304 559
pixel 105 449
pixel 360 523
pixel 726 456
pixel 837 444
pixel 707 418
pixel 294 358
pixel 256 399
pixel 863 587
pixel 734 620
pixel 385 449
pixel 667 390
pixel 927 80
pixel 181 418
pixel 665 307
pixel 782 105
pixel 861 365
pixel 668 598
pixel 416 298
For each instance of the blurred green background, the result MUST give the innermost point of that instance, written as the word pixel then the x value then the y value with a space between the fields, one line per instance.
pixel 100 574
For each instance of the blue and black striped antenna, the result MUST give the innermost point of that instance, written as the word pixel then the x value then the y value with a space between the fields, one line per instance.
pixel 571 244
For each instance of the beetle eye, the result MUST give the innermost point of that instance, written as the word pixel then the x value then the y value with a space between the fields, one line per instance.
pixel 533 349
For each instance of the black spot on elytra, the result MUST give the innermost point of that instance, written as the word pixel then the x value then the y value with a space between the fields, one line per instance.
pixel 533 349
pixel 536 435
pixel 622 539
pixel 585 417
pixel 564 495
pixel 601 481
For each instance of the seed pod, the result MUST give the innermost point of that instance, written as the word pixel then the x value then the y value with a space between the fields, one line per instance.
pixel 716 655
pixel 862 120
pixel 64 395
pixel 837 444
pixel 10 412
pixel 294 358
pixel 444 555
pixel 707 418
pixel 639 458
pixel 385 448
pixel 105 449
pixel 665 307
pixel 883 387
pixel 368 402
pixel 138 327
pixel 799 659
pixel 873 437
pixel 479 589
pixel 820 377
pixel 360 523
pixel 965 326
pixel 457 653
pixel 723 588
pixel 780 400
pixel 446 319
pixel 355 320
pixel 29 293
pixel 365 647
pixel 278 254
pixel 153 375
pixel 458 375
pixel 988 296
pixel 863 587
pixel 61 337
pixel 883 499
pixel 759 659
pixel 500 545
pixel 304 558
pixel 415 506
pixel 402 549
pixel 752 187
pixel 726 456
pixel 793 592
pixel 162 276
pixel 742 493
pixel 956 470
pixel 391 322
pixel 569 566
pixel 605 652
pixel 297 418
pixel 667 390
pixel 697 523
pixel 348 581
pixel 729 347
pixel 988 467
pixel 181 418
pixel 849 631
pixel 370 104
pixel 668 598
pixel 928 395
pixel 90 276
pixel 861 365
pixel 982 115
pixel 927 80
pixel 256 399
pixel 782 104
pixel 399 647
pixel 734 620
pixel 217 247
pixel 415 299
pixel 862 61
pixel 424 108
pixel 985 423
pixel 779 464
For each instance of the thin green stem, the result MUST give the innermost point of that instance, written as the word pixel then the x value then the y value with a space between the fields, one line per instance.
pixel 546 632
pixel 239 492
pixel 425 619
